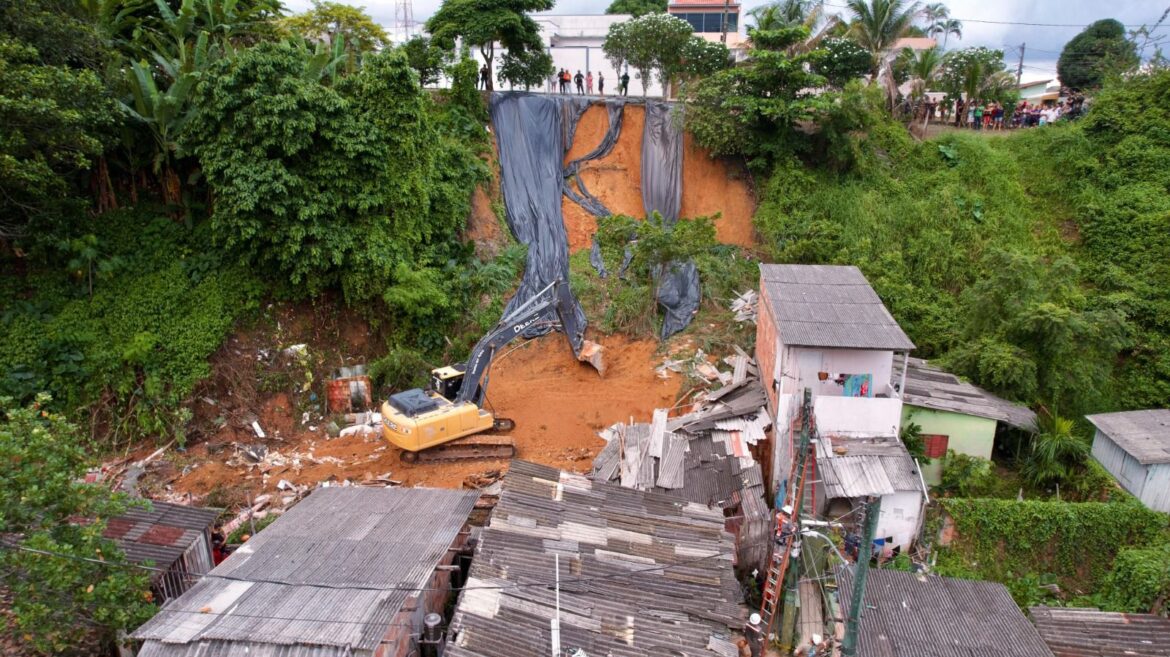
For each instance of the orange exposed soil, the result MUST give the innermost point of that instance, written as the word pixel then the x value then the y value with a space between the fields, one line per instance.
pixel 709 185
pixel 558 403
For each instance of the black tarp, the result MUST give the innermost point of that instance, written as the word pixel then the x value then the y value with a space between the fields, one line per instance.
pixel 532 133
pixel 574 187
pixel 662 154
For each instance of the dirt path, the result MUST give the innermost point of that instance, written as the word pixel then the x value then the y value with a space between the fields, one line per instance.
pixel 558 405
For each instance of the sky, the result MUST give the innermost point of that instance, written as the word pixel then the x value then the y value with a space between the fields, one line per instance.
pixel 1001 30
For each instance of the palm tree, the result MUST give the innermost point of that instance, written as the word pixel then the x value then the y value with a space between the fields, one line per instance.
pixel 1056 454
pixel 923 66
pixel 946 28
pixel 788 13
pixel 878 24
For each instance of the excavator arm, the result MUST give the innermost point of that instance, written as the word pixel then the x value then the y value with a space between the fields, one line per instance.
pixel 555 296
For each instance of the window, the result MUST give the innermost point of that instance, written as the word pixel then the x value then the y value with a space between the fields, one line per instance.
pixel 935 445
pixel 710 22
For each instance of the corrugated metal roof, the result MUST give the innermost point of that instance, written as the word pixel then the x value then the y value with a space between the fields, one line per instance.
pixel 325 565
pixel 613 598
pixel 160 534
pixel 1073 632
pixel 929 387
pixel 912 615
pixel 1144 435
pixel 829 306
pixel 856 467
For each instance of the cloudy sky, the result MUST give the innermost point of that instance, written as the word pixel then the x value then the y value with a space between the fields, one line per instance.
pixel 992 23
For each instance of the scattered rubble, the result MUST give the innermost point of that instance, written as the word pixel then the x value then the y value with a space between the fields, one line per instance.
pixel 746 306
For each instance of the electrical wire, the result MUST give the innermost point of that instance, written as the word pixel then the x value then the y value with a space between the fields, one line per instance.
pixel 1025 24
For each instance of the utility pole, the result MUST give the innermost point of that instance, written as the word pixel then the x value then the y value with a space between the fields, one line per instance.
pixel 873 509
pixel 1020 68
pixel 726 7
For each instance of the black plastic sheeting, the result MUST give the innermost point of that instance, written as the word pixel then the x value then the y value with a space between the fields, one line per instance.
pixel 533 132
pixel 574 187
pixel 662 155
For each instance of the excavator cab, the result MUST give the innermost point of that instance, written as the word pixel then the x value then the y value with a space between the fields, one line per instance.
pixel 448 380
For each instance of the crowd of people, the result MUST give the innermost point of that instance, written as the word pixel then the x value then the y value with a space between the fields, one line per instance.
pixel 992 115
pixel 564 82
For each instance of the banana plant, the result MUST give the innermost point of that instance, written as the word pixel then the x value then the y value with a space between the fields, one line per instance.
pixel 326 60
pixel 163 112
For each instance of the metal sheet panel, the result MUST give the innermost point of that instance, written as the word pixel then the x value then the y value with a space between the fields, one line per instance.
pixel 1145 435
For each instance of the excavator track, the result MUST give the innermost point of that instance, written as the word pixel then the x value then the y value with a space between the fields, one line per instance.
pixel 472 447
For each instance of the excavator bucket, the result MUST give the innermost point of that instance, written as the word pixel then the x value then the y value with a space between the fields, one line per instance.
pixel 591 353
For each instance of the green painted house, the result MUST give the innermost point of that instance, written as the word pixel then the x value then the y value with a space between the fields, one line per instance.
pixel 955 415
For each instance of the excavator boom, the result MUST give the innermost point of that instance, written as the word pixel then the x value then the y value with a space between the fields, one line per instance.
pixel 437 423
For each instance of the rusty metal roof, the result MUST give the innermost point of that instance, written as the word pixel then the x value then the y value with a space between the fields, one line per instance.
pixel 829 306
pixel 642 573
pixel 930 387
pixel 1144 435
pixel 913 615
pixel 1073 632
pixel 326 578
pixel 161 534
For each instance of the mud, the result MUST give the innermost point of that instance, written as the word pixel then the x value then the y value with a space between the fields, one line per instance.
pixel 710 185
pixel 558 404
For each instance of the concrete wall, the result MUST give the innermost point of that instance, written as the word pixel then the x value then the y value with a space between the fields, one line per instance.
pixel 857 416
pixel 900 517
pixel 966 434
pixel 801 366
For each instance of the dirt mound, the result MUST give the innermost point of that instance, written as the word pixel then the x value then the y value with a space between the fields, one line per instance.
pixel 709 185
pixel 558 404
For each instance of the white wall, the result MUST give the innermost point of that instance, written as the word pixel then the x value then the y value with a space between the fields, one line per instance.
pixel 900 517
pixel 858 416
pixel 800 365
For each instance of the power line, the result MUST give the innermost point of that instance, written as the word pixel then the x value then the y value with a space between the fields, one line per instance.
pixel 991 22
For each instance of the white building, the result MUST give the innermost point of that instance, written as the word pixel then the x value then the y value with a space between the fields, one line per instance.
pixel 823 328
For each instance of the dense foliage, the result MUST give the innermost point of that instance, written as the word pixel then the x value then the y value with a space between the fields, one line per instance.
pixel 484 23
pixel 1100 49
pixel 348 186
pixel 662 44
pixel 44 508
pixel 636 8
pixel 334 21
pixel 843 60
pixel 1011 542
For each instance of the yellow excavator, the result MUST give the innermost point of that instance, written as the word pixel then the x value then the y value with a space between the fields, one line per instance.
pixel 441 422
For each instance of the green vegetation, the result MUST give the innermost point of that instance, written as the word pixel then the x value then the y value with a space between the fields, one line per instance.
pixel 484 23
pixel 1098 51
pixel 662 44
pixel 44 507
pixel 637 7
pixel 1019 543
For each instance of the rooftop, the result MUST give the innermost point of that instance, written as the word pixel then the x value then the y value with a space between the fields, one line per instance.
pixel 911 614
pixel 829 306
pixel 705 4
pixel 1144 435
pixel 160 535
pixel 325 579
pixel 642 573
pixel 1072 632
pixel 930 387
pixel 855 466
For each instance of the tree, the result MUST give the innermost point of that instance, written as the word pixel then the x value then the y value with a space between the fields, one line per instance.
pixel 329 21
pixel 788 13
pixel 46 508
pixel 483 23
pixel 57 116
pixel 922 66
pixel 842 60
pixel 878 24
pixel 425 57
pixel 1090 56
pixel 701 57
pixel 751 109
pixel 527 68
pixel 1056 453
pixel 946 28
pixel 637 8
pixel 654 42
pixel 972 72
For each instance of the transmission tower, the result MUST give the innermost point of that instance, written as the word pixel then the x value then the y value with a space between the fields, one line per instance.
pixel 403 18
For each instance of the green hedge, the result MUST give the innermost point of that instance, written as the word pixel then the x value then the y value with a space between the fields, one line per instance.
pixel 1002 540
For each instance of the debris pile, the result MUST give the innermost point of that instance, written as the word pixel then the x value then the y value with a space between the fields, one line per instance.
pixel 745 307
pixel 703 456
